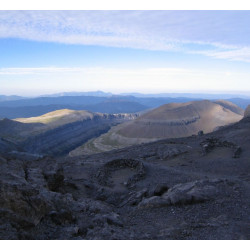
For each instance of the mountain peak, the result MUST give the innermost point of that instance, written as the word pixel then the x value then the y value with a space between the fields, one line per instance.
pixel 180 120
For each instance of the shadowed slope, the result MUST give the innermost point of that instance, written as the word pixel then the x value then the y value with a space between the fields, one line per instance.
pixel 247 111
pixel 22 128
pixel 58 132
pixel 16 131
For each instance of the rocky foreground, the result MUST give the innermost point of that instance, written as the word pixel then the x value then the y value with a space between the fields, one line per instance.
pixel 186 188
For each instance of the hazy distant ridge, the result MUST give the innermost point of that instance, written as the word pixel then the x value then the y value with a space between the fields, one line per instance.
pixel 104 103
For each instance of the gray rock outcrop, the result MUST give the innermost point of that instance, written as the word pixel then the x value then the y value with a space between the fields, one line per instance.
pixel 187 193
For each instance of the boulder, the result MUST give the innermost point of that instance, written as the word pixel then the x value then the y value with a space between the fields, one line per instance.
pixel 191 192
pixel 184 193
pixel 200 133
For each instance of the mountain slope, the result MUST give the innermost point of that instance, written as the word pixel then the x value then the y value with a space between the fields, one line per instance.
pixel 17 131
pixel 168 121
pixel 58 132
pixel 58 117
pixel 22 128
pixel 180 120
pixel 231 106
pixel 247 111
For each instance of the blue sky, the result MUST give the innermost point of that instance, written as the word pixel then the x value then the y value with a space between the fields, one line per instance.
pixel 45 52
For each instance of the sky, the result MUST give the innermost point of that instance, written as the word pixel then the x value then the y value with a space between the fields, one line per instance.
pixel 45 52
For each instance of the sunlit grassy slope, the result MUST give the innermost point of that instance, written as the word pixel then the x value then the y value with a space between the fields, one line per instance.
pixel 58 117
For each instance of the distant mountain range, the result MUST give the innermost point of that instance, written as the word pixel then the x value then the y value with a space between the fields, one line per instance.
pixel 15 106
pixel 90 93
pixel 190 95
pixel 10 98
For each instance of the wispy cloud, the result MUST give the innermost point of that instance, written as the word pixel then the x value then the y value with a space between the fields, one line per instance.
pixel 93 70
pixel 236 54
pixel 221 31
pixel 39 71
